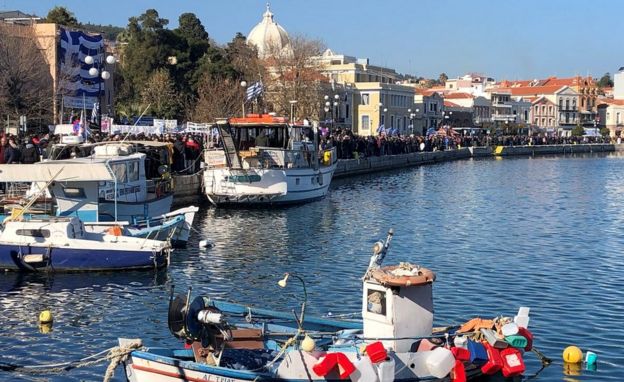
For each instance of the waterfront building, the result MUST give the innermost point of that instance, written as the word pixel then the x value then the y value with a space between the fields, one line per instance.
pixel 480 105
pixel 458 116
pixel 611 110
pixel 341 68
pixel 377 104
pixel 564 98
pixel 471 83
pixel 618 84
pixel 611 115
pixel 429 106
pixel 68 90
pixel 586 88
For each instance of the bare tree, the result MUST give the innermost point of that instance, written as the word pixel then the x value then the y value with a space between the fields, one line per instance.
pixel 25 79
pixel 295 75
pixel 218 98
pixel 160 93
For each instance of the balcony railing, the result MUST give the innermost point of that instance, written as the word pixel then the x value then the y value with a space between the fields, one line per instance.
pixel 567 108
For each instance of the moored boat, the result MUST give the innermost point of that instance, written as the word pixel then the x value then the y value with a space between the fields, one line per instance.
pixel 263 160
pixel 63 244
pixel 394 341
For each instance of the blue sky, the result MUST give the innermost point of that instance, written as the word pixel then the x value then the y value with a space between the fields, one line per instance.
pixel 504 39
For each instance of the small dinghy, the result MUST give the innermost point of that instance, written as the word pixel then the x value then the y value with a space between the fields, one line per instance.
pixel 394 341
pixel 61 244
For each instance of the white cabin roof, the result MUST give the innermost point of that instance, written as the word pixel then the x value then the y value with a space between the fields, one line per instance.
pixel 77 170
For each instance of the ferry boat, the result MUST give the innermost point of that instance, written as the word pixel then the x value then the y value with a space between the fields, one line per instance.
pixel 263 160
pixel 62 244
pixel 394 341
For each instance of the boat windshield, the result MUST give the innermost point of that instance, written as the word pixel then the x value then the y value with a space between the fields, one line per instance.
pixel 260 135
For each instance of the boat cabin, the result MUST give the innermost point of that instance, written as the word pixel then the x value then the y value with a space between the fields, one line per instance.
pixel 55 230
pixel 263 141
pixel 90 187
pixel 398 312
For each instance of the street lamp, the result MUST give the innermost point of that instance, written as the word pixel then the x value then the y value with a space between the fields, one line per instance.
pixel 99 68
pixel 243 85
pixel 292 110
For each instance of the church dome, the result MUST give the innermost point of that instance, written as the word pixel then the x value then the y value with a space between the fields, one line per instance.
pixel 269 37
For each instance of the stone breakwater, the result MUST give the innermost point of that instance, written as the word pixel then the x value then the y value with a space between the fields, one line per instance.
pixel 349 167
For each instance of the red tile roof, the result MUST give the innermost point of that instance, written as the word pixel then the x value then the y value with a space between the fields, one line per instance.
pixel 531 90
pixel 458 95
pixel 450 104
pixel 608 101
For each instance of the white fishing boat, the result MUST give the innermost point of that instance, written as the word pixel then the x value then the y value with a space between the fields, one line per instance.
pixel 62 245
pixel 264 160
pixel 111 187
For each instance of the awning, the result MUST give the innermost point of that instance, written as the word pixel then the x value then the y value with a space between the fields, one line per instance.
pixel 44 172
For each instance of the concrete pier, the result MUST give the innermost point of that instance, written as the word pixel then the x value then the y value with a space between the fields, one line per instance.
pixel 187 189
pixel 349 167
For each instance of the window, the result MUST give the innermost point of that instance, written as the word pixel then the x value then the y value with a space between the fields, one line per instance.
pixel 376 302
pixel 617 118
pixel 543 109
pixel 549 109
pixel 74 192
pixel 346 111
pixel 297 181
pixel 365 123
pixel 365 99
pixel 133 171
pixel 392 121
pixel 536 109
pixel 33 232
pixel 119 171
pixel 383 119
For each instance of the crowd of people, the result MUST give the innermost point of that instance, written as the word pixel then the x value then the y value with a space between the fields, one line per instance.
pixel 186 149
pixel 351 146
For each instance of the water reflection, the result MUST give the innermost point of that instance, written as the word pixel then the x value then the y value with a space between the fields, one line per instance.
pixel 538 232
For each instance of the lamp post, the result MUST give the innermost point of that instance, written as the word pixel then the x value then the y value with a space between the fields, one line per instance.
pixel 411 117
pixel 336 115
pixel 292 110
pixel 243 85
pixel 99 69
pixel 283 282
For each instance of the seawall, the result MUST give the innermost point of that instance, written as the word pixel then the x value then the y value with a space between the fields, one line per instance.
pixel 349 167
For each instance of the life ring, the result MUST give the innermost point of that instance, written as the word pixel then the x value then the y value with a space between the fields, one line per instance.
pixel 403 275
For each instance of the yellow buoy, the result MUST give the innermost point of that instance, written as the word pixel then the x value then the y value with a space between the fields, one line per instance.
pixel 572 354
pixel 45 317
pixel 308 344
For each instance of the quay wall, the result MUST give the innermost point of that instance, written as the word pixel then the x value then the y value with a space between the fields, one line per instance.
pixel 187 189
pixel 349 167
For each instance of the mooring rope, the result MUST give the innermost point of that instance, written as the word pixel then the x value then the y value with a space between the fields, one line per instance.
pixel 114 355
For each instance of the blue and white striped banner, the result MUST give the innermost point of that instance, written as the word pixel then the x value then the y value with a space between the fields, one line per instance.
pixel 75 79
pixel 253 91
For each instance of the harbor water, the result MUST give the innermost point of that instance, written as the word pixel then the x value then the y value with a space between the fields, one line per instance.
pixel 539 232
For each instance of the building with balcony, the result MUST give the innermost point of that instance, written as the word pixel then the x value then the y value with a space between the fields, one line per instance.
pixel 611 115
pixel 564 99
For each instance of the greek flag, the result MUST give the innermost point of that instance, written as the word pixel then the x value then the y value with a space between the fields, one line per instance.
pixel 253 91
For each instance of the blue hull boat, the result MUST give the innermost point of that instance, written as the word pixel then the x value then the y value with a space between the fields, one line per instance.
pixel 63 245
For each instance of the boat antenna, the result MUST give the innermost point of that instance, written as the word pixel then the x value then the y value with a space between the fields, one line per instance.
pixel 135 123
pixel 380 249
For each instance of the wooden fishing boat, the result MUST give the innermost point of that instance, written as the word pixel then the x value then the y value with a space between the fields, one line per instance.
pixel 394 341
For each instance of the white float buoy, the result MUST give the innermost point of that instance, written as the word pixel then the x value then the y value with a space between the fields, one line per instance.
pixel 206 244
